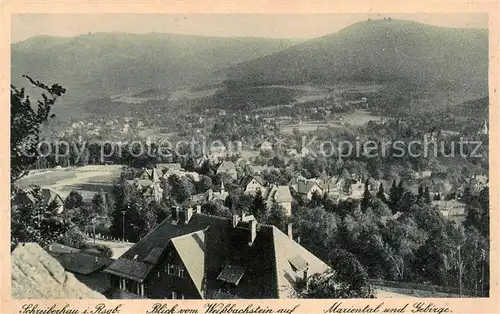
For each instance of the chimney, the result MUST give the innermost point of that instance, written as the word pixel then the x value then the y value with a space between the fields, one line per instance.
pixel 198 209
pixel 289 231
pixel 253 231
pixel 189 214
pixel 175 213
pixel 243 215
pixel 235 220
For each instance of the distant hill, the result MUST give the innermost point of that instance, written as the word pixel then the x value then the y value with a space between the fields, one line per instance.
pixel 378 51
pixel 106 64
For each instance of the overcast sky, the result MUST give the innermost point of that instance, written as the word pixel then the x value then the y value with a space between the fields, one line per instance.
pixel 247 25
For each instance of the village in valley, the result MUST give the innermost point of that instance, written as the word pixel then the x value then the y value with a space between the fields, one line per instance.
pixel 270 211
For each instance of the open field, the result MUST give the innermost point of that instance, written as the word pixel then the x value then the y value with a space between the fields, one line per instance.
pixel 87 179
pixel 357 118
pixel 392 293
pixel 382 293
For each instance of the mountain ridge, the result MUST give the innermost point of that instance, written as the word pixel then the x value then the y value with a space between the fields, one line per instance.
pixel 106 64
pixel 378 51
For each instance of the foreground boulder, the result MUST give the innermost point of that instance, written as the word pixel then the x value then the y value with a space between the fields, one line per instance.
pixel 37 275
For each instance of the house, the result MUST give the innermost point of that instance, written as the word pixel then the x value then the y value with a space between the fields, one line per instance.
pixel 423 174
pixel 150 190
pixel 193 176
pixel 217 196
pixel 307 188
pixel 229 168
pixel 154 174
pixel 87 268
pixel 278 194
pixel 191 255
pixel 356 189
pixel 265 146
pixel 48 197
pixel 333 186
pixel 250 184
pixel 478 183
pixel 452 210
pixel 169 166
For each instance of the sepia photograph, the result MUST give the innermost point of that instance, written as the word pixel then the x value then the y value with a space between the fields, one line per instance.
pixel 249 156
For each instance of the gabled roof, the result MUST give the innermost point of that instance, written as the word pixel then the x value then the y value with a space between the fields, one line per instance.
pixel 159 237
pixel 191 249
pixel 83 263
pixel 227 165
pixel 145 183
pixel 49 197
pixel 303 187
pixel 285 251
pixel 248 178
pixel 211 248
pixel 278 193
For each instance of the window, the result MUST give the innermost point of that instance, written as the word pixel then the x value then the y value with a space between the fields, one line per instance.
pixel 171 269
pixel 123 283
pixel 172 295
pixel 181 272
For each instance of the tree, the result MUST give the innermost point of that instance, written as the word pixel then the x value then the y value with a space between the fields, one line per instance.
pixel 276 216
pixel 316 198
pixel 206 183
pixel 345 279
pixel 381 193
pixel 396 192
pixel 216 209
pixel 467 196
pixel 258 205
pixel 206 168
pixel 73 200
pixel 420 195
pixel 427 195
pixel 36 220
pixel 180 189
pixel 367 196
pixel 25 125
pixel 98 206
pixel 318 230
pixel 74 238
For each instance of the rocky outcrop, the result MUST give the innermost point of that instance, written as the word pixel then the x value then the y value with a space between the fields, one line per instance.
pixel 37 275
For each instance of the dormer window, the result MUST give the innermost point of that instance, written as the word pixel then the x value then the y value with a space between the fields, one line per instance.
pixel 171 269
pixel 297 263
pixel 231 274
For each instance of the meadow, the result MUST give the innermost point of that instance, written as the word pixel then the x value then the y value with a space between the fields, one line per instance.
pixel 86 179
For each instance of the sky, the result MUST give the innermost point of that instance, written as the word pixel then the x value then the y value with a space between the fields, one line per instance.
pixel 298 26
